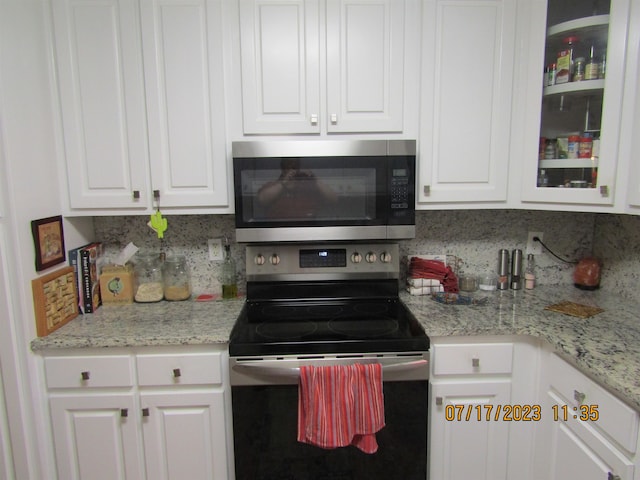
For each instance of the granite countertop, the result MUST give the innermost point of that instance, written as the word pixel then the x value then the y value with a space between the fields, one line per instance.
pixel 605 346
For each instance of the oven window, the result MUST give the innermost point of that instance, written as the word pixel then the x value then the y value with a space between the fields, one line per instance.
pixel 265 426
pixel 280 190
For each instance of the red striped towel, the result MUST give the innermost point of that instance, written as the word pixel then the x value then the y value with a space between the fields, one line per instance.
pixel 340 406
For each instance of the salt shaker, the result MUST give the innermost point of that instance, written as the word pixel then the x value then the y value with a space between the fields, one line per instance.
pixel 503 269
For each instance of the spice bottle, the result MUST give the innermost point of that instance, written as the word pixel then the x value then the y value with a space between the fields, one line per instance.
pixel 228 280
pixel 543 178
pixel 148 278
pixel 564 63
pixel 529 273
pixel 579 69
pixel 176 278
pixel 592 68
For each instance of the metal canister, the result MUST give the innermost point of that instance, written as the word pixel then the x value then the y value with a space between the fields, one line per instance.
pixel 503 269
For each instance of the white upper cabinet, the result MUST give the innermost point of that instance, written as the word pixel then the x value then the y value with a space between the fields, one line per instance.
pixel 466 93
pixel 630 140
pixel 142 102
pixel 571 147
pixel 323 66
pixel 182 42
pixel 101 85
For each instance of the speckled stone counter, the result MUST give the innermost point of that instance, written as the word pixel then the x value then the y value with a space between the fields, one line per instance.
pixel 147 324
pixel 605 346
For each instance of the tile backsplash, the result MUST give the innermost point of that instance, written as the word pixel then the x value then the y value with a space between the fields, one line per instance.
pixel 474 236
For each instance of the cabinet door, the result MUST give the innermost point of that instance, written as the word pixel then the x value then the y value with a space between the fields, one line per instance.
pixel 365 65
pixel 631 120
pixel 280 66
pixel 576 452
pixel 101 86
pixel 184 435
pixel 579 108
pixel 182 42
pixel 467 81
pixel 96 437
pixel 461 449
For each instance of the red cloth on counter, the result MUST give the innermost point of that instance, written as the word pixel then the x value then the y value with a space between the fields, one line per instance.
pixel 434 269
pixel 340 406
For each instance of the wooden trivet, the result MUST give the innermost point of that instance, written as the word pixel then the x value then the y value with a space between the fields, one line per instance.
pixel 574 309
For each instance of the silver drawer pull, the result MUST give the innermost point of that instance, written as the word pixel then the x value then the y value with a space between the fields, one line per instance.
pixel 85 375
pixel 579 397
pixel 475 362
pixel 176 372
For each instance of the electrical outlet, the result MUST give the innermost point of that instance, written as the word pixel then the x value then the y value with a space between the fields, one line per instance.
pixel 534 246
pixel 215 249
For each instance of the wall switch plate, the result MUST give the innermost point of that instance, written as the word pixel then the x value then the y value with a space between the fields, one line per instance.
pixel 215 249
pixel 533 246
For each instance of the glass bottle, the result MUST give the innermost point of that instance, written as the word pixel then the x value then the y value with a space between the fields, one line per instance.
pixel 529 273
pixel 148 278
pixel 228 280
pixel 543 179
pixel 176 278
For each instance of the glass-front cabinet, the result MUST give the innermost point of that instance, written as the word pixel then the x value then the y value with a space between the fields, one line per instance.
pixel 573 158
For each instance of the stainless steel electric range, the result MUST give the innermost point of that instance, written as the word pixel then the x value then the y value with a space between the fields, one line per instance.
pixel 325 304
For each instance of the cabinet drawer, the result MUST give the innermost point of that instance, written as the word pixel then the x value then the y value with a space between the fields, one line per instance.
pixel 89 371
pixel 179 369
pixel 472 359
pixel 615 418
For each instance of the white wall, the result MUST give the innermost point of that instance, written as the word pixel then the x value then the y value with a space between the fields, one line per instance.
pixel 29 190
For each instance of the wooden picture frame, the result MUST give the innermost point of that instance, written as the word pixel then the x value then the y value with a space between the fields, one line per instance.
pixel 55 300
pixel 48 238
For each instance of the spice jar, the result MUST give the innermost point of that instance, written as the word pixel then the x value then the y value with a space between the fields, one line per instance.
pixel 585 148
pixel 578 69
pixel 176 278
pixel 148 278
pixel 564 63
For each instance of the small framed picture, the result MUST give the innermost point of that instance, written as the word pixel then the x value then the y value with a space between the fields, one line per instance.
pixel 48 238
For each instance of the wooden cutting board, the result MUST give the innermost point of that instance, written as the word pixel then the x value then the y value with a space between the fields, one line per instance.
pixel 574 309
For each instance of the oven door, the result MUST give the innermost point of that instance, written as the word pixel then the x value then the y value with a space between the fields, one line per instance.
pixel 313 191
pixel 265 426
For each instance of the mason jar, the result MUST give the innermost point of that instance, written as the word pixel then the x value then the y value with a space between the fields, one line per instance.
pixel 176 278
pixel 148 278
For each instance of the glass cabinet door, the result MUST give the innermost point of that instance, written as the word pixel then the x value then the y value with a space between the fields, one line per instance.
pixel 582 74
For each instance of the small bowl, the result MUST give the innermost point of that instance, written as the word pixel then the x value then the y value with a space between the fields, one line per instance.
pixel 488 282
pixel 468 283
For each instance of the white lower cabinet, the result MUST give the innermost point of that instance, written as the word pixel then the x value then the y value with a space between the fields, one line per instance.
pixel 586 432
pixel 135 415
pixel 469 383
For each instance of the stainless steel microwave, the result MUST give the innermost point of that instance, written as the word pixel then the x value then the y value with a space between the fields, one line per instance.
pixel 324 190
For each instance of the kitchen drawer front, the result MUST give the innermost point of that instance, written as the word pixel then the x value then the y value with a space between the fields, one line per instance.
pixel 469 359
pixel 89 371
pixel 179 369
pixel 615 418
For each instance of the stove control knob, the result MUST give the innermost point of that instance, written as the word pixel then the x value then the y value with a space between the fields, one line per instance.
pixel 371 257
pixel 259 259
pixel 385 257
pixel 275 259
pixel 356 257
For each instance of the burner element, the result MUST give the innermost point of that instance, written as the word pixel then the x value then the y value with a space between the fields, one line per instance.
pixel 286 330
pixel 364 328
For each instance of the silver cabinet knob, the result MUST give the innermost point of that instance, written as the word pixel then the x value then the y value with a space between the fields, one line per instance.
pixel 426 190
pixel 438 400
pixel 124 412
pixel 314 119
pixel 334 118
pixel 136 194
pixel 145 412
pixel 604 190
pixel 176 372
pixel 579 396
pixel 85 375
pixel 475 362
pixel 611 476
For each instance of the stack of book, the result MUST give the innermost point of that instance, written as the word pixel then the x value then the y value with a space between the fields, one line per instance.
pixel 86 261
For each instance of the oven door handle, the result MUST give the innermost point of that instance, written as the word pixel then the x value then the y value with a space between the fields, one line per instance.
pixel 265 368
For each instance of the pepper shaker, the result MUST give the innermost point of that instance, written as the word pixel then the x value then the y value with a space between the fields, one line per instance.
pixel 516 269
